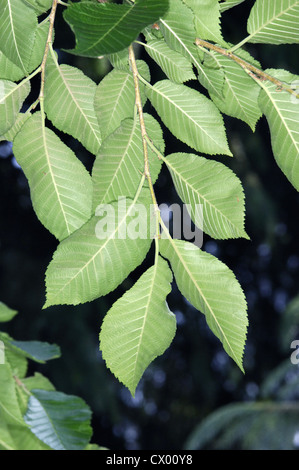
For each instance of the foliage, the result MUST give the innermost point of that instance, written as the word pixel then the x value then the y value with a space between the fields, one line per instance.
pixel 34 416
pixel 120 122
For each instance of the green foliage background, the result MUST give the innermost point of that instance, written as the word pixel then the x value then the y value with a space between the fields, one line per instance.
pixel 194 378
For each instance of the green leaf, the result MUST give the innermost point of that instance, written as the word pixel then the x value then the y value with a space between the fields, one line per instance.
pixel 40 6
pixel 239 94
pixel 37 350
pixel 12 97
pixel 190 116
pixel 274 24
pixel 214 186
pixel 282 113
pixel 174 65
pixel 115 97
pixel 99 256
pixel 8 70
pixel 60 186
pixel 9 404
pixel 107 28
pixel 69 103
pixel 61 421
pixel 18 25
pixel 206 19
pixel 12 132
pixel 178 30
pixel 227 4
pixel 6 313
pixel 38 48
pixel 211 287
pixel 117 168
pixel 139 326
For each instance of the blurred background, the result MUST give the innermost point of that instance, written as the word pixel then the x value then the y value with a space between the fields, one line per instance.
pixel 194 396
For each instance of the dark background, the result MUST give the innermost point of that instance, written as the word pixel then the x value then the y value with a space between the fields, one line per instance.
pixel 194 377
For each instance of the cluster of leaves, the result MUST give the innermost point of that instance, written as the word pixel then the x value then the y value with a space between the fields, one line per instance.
pixel 184 38
pixel 33 415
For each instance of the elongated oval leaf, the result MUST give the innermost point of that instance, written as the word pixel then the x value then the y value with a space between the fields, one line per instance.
pixel 12 97
pixel 117 168
pixel 18 25
pixel 190 116
pixel 206 19
pixel 6 313
pixel 139 326
pixel 199 181
pixel 107 28
pixel 282 113
pixel 174 65
pixel 36 350
pixel 61 187
pixel 99 256
pixel 115 97
pixel 61 421
pixel 211 287
pixel 274 22
pixel 9 404
pixel 8 70
pixel 240 93
pixel 69 103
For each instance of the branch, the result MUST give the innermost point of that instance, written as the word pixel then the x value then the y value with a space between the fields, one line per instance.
pixel 255 73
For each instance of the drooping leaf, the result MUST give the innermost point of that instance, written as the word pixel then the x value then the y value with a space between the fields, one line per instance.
pixel 206 19
pixel 190 116
pixel 174 65
pixel 139 326
pixel 37 350
pixel 99 256
pixel 120 162
pixel 18 24
pixel 239 93
pixel 61 421
pixel 274 22
pixel 199 181
pixel 69 103
pixel 60 186
pixel 12 97
pixel 211 287
pixel 282 113
pixel 6 313
pixel 107 28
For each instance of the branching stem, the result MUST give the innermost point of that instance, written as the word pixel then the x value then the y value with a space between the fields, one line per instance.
pixel 257 74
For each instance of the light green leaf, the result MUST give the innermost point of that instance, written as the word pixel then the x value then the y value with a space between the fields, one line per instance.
pixel 206 19
pixel 6 313
pixel 12 132
pixel 12 97
pixel 18 25
pixel 117 168
pixel 190 116
pixel 115 97
pixel 8 70
pixel 99 256
pixel 107 28
pixel 60 186
pixel 178 30
pixel 174 65
pixel 38 48
pixel 139 326
pixel 69 103
pixel 61 421
pixel 227 4
pixel 282 113
pixel 40 6
pixel 274 22
pixel 9 404
pixel 216 188
pixel 239 94
pixel 211 287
